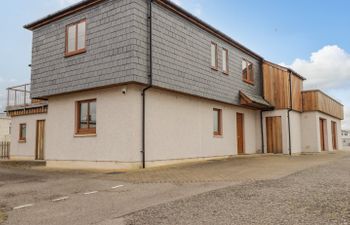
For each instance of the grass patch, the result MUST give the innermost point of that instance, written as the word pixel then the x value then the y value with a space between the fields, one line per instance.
pixel 3 217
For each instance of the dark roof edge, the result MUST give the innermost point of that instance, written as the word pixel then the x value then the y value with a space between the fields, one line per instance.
pixel 182 12
pixel 61 13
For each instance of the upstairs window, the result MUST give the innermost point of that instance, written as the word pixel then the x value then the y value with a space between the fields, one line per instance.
pixel 76 38
pixel 247 71
pixel 217 128
pixel 225 61
pixel 86 117
pixel 22 132
pixel 214 56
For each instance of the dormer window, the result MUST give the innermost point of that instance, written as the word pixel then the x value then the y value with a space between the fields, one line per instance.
pixel 76 38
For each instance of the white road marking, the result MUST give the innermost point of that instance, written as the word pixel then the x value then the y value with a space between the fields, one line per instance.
pixel 115 187
pixel 22 206
pixel 91 192
pixel 60 199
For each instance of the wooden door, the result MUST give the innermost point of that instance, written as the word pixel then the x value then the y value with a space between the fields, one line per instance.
pixel 40 138
pixel 240 133
pixel 322 134
pixel 274 134
pixel 334 135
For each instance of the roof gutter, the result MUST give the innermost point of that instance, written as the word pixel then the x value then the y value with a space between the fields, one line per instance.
pixel 289 110
pixel 61 13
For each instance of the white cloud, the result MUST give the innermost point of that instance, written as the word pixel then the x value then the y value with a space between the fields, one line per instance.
pixel 177 2
pixel 197 11
pixel 193 6
pixel 67 2
pixel 328 69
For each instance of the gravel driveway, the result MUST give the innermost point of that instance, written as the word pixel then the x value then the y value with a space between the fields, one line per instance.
pixel 318 195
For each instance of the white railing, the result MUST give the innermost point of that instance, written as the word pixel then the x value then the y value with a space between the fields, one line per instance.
pixel 19 95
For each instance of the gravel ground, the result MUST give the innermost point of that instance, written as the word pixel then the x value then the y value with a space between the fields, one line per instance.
pixel 318 195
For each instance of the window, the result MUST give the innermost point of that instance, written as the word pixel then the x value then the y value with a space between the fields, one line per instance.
pixel 247 71
pixel 76 38
pixel 217 122
pixel 86 117
pixel 22 132
pixel 225 60
pixel 214 56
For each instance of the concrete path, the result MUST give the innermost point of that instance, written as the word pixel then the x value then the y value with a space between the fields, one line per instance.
pixel 42 196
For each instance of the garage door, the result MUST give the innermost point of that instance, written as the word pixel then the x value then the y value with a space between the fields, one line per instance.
pixel 274 134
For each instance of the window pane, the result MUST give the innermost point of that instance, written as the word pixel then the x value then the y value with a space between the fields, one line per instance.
pixel 213 55
pixel 81 35
pixel 250 71
pixel 23 131
pixel 92 115
pixel 83 115
pixel 224 60
pixel 216 121
pixel 71 38
pixel 244 70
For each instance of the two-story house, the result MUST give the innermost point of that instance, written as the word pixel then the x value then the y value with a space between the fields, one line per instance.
pixel 132 83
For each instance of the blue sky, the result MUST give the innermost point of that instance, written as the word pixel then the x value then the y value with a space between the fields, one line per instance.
pixel 312 38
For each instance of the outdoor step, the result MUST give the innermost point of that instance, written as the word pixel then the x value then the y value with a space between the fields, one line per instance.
pixel 22 163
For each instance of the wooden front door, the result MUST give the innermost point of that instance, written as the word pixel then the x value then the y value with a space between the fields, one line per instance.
pixel 274 134
pixel 40 135
pixel 322 134
pixel 334 135
pixel 240 133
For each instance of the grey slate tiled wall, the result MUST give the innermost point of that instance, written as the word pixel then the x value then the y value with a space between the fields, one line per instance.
pixel 182 56
pixel 110 56
pixel 117 52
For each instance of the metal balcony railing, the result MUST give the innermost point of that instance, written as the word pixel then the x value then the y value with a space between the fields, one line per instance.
pixel 18 96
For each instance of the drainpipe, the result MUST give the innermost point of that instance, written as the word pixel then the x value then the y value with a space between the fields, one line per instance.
pixel 262 132
pixel 150 84
pixel 289 110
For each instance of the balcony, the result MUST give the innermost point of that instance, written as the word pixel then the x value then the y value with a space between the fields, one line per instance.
pixel 316 100
pixel 18 98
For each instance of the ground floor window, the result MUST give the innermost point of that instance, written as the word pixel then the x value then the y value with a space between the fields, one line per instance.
pixel 22 132
pixel 217 128
pixel 86 117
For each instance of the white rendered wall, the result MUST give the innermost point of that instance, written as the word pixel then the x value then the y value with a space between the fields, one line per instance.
pixel 181 126
pixel 311 141
pixel 24 150
pixel 296 133
pixel 177 127
pixel 118 129
pixel 5 123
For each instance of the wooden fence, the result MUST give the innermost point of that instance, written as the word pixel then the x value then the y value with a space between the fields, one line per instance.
pixel 4 150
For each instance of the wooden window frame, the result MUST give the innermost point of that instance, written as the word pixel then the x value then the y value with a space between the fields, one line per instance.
pixel 77 51
pixel 219 132
pixel 216 67
pixel 83 131
pixel 22 138
pixel 225 70
pixel 250 75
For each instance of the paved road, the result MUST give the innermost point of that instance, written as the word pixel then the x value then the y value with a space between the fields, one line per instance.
pixel 41 196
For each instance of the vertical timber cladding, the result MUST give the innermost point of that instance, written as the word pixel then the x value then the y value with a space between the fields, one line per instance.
pixel 277 88
pixel 40 140
pixel 274 134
